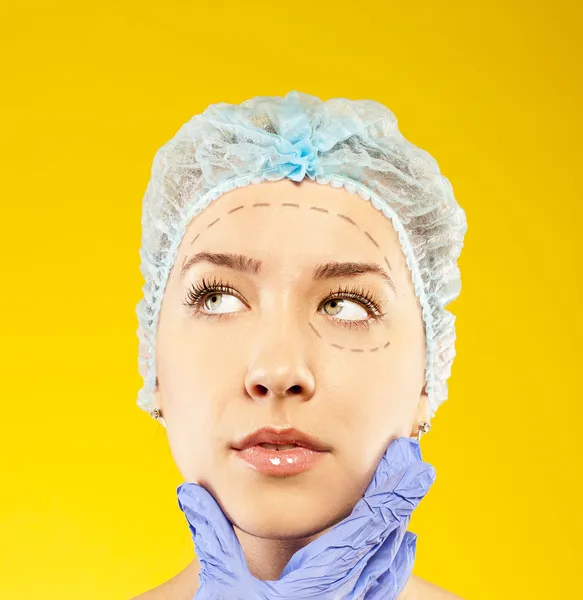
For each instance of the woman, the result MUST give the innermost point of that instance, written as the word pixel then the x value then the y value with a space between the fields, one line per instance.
pixel 298 256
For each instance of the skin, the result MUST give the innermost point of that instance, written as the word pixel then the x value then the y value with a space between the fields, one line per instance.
pixel 184 585
pixel 278 357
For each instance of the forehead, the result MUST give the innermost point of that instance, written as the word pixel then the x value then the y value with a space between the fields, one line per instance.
pixel 288 217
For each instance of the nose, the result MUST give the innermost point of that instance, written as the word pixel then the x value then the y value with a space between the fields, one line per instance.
pixel 279 369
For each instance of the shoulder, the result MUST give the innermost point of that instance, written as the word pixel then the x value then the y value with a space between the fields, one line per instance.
pixel 184 585
pixel 421 589
pixel 180 587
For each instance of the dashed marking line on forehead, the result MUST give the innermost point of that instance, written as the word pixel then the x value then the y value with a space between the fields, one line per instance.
pixel 372 239
pixel 346 219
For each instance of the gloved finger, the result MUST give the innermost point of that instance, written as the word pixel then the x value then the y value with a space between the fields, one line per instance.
pixel 213 535
pixel 377 561
pixel 393 580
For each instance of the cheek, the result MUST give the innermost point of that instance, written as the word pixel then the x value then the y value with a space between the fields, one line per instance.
pixel 190 430
pixel 376 398
pixel 188 373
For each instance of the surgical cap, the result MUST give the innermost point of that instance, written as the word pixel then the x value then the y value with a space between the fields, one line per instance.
pixel 354 144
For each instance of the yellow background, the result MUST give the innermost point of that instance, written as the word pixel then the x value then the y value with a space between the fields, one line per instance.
pixel 88 504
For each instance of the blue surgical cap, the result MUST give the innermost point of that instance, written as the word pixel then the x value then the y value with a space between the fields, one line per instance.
pixel 353 144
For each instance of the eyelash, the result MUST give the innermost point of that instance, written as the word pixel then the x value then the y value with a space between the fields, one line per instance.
pixel 197 292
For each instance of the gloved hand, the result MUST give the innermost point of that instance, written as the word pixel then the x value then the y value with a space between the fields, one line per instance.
pixel 369 554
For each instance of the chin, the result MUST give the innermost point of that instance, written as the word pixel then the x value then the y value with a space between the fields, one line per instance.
pixel 290 514
pixel 276 529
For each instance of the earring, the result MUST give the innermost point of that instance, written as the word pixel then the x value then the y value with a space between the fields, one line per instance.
pixel 156 413
pixel 424 427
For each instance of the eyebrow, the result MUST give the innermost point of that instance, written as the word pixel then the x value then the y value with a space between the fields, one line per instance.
pixel 252 266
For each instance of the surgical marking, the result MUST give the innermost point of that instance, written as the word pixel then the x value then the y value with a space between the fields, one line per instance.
pixel 314 330
pixel 347 219
pixel 371 239
pixel 294 205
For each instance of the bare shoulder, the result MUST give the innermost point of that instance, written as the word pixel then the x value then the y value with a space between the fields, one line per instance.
pixel 421 589
pixel 180 587
pixel 184 585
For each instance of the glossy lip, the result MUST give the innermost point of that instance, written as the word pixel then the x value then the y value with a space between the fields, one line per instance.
pixel 280 463
pixel 274 435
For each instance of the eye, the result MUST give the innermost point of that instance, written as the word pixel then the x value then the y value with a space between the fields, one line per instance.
pixel 215 300
pixel 341 304
pixel 365 301
pixel 207 298
pixel 210 295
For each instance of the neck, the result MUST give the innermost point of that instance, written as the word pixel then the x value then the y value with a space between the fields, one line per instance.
pixel 267 557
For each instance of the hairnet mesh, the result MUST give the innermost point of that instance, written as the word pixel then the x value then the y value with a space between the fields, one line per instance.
pixel 353 144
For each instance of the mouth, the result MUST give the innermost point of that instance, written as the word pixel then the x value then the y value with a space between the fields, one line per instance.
pixel 280 460
pixel 273 436
pixel 280 452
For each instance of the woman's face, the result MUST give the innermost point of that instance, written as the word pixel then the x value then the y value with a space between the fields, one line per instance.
pixel 290 343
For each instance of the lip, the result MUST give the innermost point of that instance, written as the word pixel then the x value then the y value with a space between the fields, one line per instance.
pixel 274 435
pixel 284 463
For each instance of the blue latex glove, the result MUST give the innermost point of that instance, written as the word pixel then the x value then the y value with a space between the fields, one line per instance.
pixel 369 554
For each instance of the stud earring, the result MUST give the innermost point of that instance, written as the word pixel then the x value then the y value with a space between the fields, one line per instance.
pixel 424 427
pixel 156 413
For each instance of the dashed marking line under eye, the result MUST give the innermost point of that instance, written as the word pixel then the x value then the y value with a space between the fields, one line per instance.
pixel 314 330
